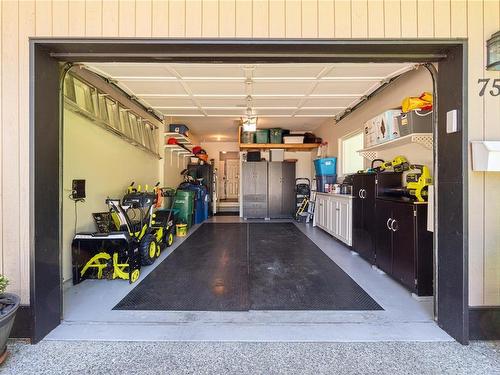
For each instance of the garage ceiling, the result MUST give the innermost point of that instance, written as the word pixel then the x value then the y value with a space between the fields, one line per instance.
pixel 211 98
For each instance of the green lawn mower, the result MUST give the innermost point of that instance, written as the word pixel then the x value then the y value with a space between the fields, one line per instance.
pixel 130 235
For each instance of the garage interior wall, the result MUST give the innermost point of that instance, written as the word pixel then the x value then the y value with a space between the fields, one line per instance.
pixel 343 19
pixel 107 163
pixel 173 165
pixel 412 83
pixel 213 149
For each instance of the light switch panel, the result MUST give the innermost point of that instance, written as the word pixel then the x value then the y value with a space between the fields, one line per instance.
pixel 452 121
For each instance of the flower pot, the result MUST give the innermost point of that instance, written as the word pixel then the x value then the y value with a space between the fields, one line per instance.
pixel 9 303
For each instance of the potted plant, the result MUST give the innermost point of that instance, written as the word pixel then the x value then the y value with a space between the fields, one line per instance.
pixel 9 303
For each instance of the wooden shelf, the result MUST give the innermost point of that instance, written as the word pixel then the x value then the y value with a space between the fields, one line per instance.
pixel 285 146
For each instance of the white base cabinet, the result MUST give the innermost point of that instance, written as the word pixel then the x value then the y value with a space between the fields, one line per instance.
pixel 333 214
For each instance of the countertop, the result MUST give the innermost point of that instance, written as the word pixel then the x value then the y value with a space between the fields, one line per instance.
pixel 385 198
pixel 400 200
pixel 348 196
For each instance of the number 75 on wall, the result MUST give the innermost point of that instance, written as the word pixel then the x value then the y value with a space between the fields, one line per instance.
pixel 495 91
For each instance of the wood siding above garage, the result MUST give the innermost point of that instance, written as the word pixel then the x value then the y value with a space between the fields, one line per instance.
pixel 343 19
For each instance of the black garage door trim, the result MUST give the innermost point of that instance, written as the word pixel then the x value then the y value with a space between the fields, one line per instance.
pixel 45 144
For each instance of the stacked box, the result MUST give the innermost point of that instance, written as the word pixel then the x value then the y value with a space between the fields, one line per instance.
pixel 248 137
pixel 262 136
pixel 415 122
pixel 382 128
pixel 276 135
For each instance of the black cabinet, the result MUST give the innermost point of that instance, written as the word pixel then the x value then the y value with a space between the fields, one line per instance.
pixel 383 237
pixel 404 246
pixel 363 211
pixel 366 187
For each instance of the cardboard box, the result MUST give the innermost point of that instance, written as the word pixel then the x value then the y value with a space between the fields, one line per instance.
pixel 370 134
pixel 382 128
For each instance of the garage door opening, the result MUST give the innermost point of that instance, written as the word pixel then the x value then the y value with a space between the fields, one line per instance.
pixel 364 259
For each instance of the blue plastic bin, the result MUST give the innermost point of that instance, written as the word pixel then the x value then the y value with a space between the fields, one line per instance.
pixel 179 128
pixel 323 181
pixel 325 166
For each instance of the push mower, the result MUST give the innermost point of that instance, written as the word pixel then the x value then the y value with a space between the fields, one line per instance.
pixel 130 235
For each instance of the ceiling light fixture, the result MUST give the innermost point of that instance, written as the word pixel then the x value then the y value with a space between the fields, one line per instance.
pixel 250 123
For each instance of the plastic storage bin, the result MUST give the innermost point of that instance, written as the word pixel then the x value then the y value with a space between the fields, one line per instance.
pixel 248 137
pixel 325 166
pixel 262 136
pixel 415 122
pixel 276 135
pixel 324 183
pixel 179 128
pixel 293 139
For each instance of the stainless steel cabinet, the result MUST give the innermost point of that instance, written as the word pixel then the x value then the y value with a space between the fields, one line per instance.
pixel 281 189
pixel 254 186
pixel 268 190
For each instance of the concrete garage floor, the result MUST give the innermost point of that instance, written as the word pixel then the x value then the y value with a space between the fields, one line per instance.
pixel 88 313
pixel 86 357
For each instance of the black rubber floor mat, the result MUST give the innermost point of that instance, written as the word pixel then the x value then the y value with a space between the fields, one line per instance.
pixel 289 272
pixel 208 272
pixel 239 267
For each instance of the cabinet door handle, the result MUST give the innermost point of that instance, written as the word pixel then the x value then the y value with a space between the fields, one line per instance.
pixel 360 193
pixel 392 225
pixel 364 194
pixel 388 225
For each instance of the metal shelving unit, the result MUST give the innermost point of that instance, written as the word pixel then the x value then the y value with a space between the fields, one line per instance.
pixel 184 145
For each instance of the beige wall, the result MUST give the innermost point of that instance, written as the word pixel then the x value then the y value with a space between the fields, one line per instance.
pixel 213 148
pixel 412 83
pixel 173 165
pixel 109 165
pixel 475 20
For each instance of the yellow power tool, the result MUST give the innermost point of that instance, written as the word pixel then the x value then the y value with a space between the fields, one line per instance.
pixel 399 164
pixel 418 182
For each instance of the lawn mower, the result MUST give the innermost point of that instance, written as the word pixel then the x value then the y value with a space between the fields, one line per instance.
pixel 130 235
